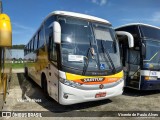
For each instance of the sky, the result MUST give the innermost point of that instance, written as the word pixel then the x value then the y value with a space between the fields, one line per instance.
pixel 27 15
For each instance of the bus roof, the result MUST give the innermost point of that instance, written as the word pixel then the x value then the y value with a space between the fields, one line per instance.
pixel 130 24
pixel 78 15
pixel 73 14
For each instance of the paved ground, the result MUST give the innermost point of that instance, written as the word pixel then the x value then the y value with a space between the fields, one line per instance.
pixel 24 91
pixel 18 70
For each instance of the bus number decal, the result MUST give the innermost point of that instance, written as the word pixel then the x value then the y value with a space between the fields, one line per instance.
pixel 153 73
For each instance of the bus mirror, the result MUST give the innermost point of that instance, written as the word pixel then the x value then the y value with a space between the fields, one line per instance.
pixel 143 49
pixel 5 31
pixel 56 32
pixel 129 36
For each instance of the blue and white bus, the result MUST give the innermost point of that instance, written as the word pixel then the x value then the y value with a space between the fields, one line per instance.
pixel 142 62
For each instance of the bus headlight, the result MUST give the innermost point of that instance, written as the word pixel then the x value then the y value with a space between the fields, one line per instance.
pixel 150 78
pixel 69 82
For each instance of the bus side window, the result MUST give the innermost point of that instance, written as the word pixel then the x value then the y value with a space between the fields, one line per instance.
pixel 52 50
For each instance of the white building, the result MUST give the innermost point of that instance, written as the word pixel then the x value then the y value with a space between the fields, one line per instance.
pixel 17 54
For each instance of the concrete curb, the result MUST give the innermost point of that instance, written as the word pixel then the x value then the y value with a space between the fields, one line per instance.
pixel 18 70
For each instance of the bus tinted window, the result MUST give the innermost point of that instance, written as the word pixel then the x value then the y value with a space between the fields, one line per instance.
pixel 134 57
pixel 28 48
pixel 150 32
pixel 131 29
pixel 74 31
pixel 48 28
pixel 52 50
pixel 41 38
pixel 49 21
pixel 35 42
pixel 25 50
pixel 32 45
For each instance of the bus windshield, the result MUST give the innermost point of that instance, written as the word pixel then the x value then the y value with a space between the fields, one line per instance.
pixel 152 58
pixel 150 32
pixel 82 44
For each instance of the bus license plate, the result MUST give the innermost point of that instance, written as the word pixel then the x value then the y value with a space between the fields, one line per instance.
pixel 101 94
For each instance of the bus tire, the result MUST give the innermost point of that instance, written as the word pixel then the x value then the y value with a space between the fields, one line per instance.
pixel 44 85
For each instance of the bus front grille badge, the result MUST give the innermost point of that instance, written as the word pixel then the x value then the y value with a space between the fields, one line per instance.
pixel 101 86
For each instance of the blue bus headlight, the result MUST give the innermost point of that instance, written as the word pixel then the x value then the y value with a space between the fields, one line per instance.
pixel 69 82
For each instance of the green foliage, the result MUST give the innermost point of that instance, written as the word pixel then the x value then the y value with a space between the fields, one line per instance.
pixel 18 46
pixel 17 65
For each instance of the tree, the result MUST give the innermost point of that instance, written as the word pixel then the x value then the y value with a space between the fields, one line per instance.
pixel 18 46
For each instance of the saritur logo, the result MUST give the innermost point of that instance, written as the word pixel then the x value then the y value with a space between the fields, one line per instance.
pixel 92 80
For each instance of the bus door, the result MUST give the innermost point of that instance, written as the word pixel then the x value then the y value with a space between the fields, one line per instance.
pixel 52 70
pixel 123 55
pixel 132 66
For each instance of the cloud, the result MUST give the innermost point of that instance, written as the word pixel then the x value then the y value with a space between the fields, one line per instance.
pixel 16 32
pixel 99 2
pixel 21 30
pixel 131 20
pixel 21 33
pixel 21 27
pixel 152 19
pixel 88 11
pixel 155 17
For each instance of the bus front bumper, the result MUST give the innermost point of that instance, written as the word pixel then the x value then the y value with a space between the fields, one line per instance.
pixel 69 95
pixel 151 85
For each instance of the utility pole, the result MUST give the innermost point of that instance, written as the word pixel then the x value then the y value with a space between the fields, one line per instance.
pixel 1 7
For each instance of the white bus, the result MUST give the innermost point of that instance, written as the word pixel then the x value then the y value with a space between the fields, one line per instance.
pixel 75 58
pixel 142 62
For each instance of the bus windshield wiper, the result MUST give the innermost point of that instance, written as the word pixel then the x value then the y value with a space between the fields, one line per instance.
pixel 86 62
pixel 87 58
pixel 109 57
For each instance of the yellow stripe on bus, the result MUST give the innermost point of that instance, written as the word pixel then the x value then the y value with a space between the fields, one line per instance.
pixel 73 77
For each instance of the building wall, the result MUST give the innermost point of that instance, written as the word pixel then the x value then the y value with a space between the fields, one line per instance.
pixel 17 53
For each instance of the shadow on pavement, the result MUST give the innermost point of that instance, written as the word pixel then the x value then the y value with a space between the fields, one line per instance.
pixel 134 92
pixel 33 91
